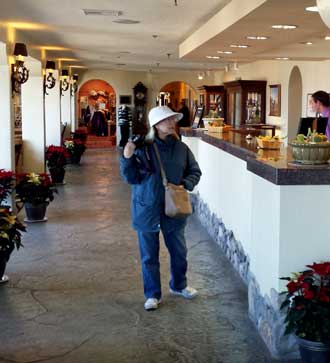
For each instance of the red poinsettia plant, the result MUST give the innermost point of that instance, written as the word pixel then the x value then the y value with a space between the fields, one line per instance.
pixel 34 188
pixel 6 184
pixel 56 156
pixel 307 303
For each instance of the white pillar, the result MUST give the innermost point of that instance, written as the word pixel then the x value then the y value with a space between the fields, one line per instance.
pixel 7 147
pixel 33 120
pixel 74 120
pixel 52 114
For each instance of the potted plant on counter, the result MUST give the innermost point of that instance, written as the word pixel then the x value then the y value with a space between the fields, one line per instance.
pixel 35 191
pixel 75 148
pixel 10 238
pixel 307 309
pixel 56 157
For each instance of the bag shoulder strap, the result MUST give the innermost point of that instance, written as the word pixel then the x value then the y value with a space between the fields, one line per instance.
pixel 162 171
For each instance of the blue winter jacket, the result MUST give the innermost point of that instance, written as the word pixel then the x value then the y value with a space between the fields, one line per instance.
pixel 143 172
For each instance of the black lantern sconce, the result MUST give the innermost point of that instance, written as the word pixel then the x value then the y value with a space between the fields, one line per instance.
pixel 49 79
pixel 74 84
pixel 64 82
pixel 19 74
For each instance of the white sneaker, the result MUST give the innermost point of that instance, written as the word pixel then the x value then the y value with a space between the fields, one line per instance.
pixel 187 293
pixel 151 304
pixel 4 279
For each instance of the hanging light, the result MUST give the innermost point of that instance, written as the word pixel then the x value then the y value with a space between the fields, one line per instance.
pixel 74 84
pixel 20 74
pixel 49 79
pixel 200 75
pixel 64 82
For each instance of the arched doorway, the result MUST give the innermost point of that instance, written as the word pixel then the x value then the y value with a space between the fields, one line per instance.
pixel 98 94
pixel 294 102
pixel 179 91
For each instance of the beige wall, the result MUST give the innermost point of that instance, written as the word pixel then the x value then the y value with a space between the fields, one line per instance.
pixel 315 76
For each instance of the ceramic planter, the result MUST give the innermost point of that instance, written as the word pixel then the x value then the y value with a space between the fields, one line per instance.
pixel 313 352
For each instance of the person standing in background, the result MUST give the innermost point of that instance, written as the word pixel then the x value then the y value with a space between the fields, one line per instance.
pixel 320 103
pixel 185 121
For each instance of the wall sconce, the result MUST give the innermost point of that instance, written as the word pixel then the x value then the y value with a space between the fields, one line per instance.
pixel 49 80
pixel 64 83
pixel 74 84
pixel 19 74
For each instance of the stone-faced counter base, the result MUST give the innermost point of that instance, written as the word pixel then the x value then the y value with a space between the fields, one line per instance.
pixel 263 311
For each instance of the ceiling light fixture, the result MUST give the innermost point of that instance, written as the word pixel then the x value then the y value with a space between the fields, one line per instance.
pixel 49 79
pixel 200 75
pixel 284 26
pixel 20 74
pixel 126 21
pixel 314 9
pixel 224 52
pixel 282 58
pixel 306 43
pixel 257 37
pixel 212 57
pixel 239 46
pixel 100 12
pixel 327 38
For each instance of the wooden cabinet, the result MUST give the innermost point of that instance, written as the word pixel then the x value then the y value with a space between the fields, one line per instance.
pixel 246 102
pixel 213 95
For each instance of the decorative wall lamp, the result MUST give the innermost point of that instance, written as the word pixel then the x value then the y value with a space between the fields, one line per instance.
pixel 74 84
pixel 64 82
pixel 19 73
pixel 49 79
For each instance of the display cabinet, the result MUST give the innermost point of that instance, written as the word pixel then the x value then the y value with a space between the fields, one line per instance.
pixel 209 95
pixel 246 102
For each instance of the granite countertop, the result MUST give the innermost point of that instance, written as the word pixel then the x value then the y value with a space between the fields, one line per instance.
pixel 276 166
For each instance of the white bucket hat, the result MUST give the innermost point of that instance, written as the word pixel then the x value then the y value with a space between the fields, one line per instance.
pixel 160 113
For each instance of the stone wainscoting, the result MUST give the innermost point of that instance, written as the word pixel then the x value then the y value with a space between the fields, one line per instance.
pixel 263 311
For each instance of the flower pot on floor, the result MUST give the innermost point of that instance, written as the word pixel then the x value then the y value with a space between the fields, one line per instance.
pixel 35 212
pixel 75 159
pixel 57 175
pixel 313 352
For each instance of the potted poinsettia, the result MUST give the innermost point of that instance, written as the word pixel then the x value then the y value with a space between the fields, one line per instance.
pixel 56 157
pixel 307 310
pixel 35 191
pixel 6 184
pixel 75 148
pixel 10 238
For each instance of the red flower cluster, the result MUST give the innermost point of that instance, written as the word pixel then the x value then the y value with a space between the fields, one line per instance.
pixel 6 184
pixel 307 303
pixel 56 156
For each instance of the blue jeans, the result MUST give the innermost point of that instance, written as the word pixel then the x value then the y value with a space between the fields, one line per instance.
pixel 149 251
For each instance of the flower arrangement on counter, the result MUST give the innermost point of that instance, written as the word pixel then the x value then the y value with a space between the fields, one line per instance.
pixel 307 303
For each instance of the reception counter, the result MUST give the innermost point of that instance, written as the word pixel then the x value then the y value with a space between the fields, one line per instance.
pixel 268 215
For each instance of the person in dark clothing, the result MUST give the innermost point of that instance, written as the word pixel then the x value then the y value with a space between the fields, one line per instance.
pixel 99 126
pixel 140 167
pixel 125 123
pixel 185 121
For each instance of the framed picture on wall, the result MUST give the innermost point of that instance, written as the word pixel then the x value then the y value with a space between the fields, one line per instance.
pixel 275 100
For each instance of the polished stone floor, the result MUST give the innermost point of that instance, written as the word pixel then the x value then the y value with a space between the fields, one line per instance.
pixel 75 292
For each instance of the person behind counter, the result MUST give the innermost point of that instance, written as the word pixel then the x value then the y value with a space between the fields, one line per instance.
pixel 320 103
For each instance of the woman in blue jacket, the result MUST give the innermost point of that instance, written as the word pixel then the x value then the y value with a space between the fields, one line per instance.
pixel 140 167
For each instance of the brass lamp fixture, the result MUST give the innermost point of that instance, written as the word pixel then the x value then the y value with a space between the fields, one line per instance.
pixel 19 74
pixel 74 84
pixel 49 79
pixel 64 82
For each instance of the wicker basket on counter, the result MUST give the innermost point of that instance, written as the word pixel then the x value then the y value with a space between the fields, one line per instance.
pixel 218 129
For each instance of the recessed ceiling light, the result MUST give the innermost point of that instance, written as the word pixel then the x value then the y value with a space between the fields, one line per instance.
pixel 312 8
pixel 212 57
pixel 224 52
pixel 101 12
pixel 306 43
pixel 239 46
pixel 327 38
pixel 284 26
pixel 282 58
pixel 256 37
pixel 126 21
